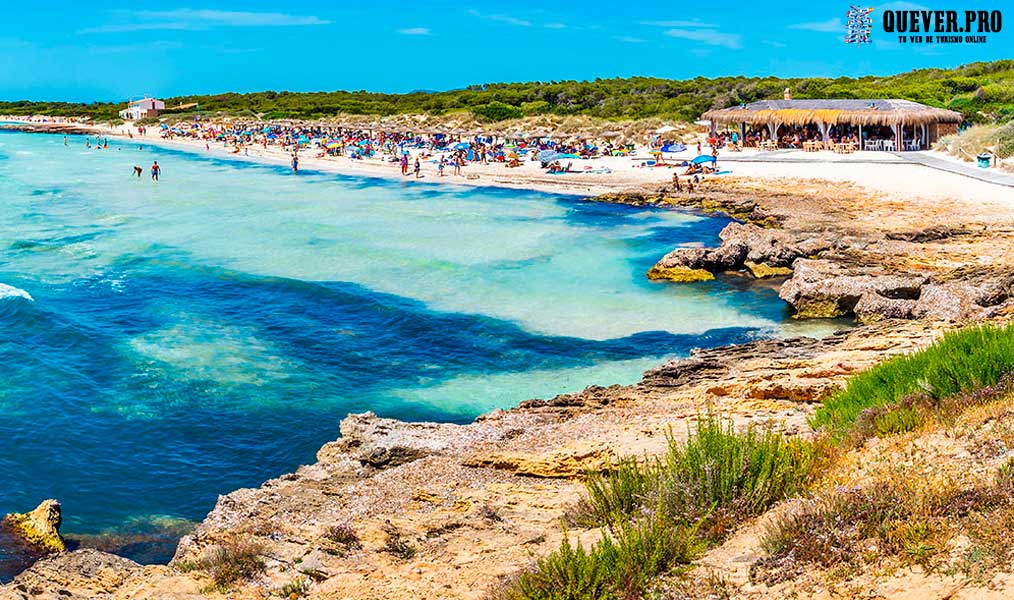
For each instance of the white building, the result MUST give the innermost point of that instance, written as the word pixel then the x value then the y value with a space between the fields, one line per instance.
pixel 142 109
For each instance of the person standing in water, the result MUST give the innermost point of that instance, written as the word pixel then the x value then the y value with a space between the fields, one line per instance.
pixel 295 163
pixel 155 171
pixel 64 140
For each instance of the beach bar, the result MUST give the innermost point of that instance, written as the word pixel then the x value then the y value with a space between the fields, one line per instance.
pixel 875 124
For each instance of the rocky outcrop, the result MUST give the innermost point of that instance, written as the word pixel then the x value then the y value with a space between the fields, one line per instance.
pixel 369 442
pixel 40 527
pixel 80 575
pixel 565 463
pixel 761 251
pixel 828 289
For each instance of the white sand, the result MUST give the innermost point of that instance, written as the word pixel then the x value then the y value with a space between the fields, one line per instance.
pixel 878 171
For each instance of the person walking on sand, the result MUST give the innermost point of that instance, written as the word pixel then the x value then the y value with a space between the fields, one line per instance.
pixel 676 182
pixel 417 167
pixel 155 171
pixel 441 165
pixel 404 163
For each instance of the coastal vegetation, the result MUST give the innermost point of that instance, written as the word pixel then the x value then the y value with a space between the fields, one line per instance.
pixel 656 516
pixel 229 563
pixel 968 144
pixel 983 92
pixel 663 514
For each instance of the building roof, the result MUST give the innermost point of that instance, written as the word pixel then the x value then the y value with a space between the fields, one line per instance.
pixel 860 112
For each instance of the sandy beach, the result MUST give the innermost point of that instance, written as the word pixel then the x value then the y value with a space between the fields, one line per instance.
pixel 898 175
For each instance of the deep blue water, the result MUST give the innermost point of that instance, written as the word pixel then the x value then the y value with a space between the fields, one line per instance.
pixel 208 333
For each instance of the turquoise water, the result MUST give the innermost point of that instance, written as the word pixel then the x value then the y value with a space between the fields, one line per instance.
pixel 163 344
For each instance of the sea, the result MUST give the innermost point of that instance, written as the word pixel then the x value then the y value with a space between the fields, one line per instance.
pixel 165 343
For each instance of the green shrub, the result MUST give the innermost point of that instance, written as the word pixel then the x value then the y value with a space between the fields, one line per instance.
pixel 497 111
pixel 614 496
pixel 230 563
pixel 725 476
pixel 622 566
pixel 664 513
pixel 961 362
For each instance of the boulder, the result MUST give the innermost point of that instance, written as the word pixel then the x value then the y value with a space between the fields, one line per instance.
pixel 774 247
pixel 826 289
pixel 765 271
pixel 40 527
pixel 78 575
pixel 874 307
pixel 679 274
pixel 382 443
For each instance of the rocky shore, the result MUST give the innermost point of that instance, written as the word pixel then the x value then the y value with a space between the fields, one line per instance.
pixel 420 510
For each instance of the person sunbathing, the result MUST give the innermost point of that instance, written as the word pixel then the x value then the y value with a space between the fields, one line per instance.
pixel 693 170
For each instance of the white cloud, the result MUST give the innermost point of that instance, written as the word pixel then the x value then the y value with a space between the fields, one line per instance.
pixel 188 19
pixel 691 23
pixel 501 19
pixel 708 36
pixel 900 6
pixel 829 26
pixel 628 39
pixel 415 31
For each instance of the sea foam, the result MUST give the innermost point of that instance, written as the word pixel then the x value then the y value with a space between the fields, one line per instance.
pixel 9 291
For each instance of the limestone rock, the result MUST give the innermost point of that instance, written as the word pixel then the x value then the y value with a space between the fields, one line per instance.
pixel 679 274
pixel 566 463
pixel 764 270
pixel 874 307
pixel 78 575
pixel 382 443
pixel 40 527
pixel 765 252
pixel 774 247
pixel 826 289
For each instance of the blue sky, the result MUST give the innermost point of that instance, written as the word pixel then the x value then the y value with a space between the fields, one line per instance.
pixel 63 50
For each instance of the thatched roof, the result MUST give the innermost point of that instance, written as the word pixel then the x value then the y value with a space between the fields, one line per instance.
pixel 856 112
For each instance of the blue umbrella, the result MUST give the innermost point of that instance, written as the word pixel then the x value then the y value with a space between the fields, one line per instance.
pixel 461 146
pixel 703 159
pixel 547 156
pixel 674 148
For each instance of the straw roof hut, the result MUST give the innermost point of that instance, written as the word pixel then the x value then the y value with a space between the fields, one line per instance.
pixel 895 114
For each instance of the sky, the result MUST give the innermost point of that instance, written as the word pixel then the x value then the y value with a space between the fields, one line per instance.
pixel 65 50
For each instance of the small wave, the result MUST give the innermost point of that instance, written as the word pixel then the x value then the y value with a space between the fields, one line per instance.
pixel 9 291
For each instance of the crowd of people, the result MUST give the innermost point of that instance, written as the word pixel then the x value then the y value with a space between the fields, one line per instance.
pixel 448 151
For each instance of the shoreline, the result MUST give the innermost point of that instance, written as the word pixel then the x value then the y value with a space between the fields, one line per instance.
pixel 422 476
pixel 880 172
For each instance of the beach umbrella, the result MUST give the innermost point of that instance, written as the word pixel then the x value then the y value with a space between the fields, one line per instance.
pixel 665 129
pixel 461 146
pixel 547 156
pixel 674 148
pixel 703 159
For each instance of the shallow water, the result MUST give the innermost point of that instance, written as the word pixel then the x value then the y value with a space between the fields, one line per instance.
pixel 163 344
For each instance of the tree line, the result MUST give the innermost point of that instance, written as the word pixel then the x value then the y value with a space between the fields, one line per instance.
pixel 983 92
